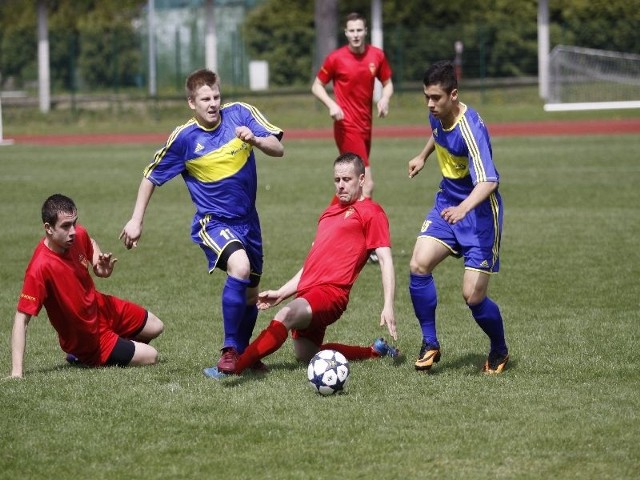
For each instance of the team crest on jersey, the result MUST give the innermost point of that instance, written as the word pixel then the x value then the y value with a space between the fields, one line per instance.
pixel 372 69
pixel 348 212
pixel 199 148
pixel 83 260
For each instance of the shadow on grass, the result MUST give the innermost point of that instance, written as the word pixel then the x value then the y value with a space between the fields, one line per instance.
pixel 470 363
pixel 251 376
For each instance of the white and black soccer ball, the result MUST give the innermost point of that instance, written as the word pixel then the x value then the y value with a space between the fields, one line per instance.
pixel 328 372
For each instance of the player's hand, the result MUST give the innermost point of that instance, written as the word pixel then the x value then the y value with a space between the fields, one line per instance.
pixel 104 267
pixel 453 215
pixel 415 165
pixel 131 234
pixel 383 107
pixel 336 113
pixel 387 318
pixel 268 299
pixel 245 134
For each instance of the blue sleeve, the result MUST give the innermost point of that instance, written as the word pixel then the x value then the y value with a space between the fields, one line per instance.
pixel 169 161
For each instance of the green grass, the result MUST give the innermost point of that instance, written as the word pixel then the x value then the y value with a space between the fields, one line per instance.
pixel 567 406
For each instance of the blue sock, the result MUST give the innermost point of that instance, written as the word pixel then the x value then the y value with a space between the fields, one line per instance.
pixel 487 316
pixel 425 300
pixel 246 327
pixel 234 301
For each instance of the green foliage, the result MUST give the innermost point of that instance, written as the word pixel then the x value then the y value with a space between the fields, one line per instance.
pixel 95 44
pixel 18 49
pixel 282 33
pixel 566 408
pixel 499 36
pixel 96 38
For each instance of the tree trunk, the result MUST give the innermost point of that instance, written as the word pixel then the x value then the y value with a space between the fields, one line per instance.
pixel 326 28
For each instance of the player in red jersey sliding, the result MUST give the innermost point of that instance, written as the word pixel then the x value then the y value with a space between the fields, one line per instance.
pixel 347 233
pixel 96 329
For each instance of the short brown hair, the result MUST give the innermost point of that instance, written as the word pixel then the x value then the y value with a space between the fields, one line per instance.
pixel 349 158
pixel 355 16
pixel 198 79
pixel 55 204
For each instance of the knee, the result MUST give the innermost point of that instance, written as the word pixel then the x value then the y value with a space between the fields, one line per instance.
pixel 144 355
pixel 154 326
pixel 418 268
pixel 472 296
pixel 370 184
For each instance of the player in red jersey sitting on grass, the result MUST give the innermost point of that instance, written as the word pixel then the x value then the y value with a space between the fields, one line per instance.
pixel 93 328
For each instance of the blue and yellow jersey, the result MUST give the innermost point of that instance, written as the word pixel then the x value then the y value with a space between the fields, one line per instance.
pixel 218 168
pixel 464 155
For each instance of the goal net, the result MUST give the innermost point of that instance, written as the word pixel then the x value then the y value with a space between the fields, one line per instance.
pixel 589 79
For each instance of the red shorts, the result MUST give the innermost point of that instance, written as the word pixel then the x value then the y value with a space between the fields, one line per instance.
pixel 353 141
pixel 120 318
pixel 327 305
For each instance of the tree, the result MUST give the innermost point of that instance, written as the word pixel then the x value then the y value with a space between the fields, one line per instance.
pixel 281 33
pixel 325 19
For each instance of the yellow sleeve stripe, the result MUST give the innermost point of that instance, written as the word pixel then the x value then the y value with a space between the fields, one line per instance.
pixel 159 155
pixel 259 117
pixel 474 151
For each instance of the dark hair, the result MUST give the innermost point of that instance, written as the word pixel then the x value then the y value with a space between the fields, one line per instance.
pixel 355 16
pixel 54 205
pixel 441 73
pixel 353 159
pixel 198 79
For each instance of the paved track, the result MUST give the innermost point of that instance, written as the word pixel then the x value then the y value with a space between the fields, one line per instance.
pixel 526 129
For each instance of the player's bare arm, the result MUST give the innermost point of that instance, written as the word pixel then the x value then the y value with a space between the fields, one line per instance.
pixel 132 231
pixel 418 162
pixel 478 195
pixel 387 273
pixel 269 145
pixel 319 90
pixel 271 298
pixel 383 103
pixel 18 342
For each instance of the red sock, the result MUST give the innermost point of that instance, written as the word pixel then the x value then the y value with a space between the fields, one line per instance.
pixel 351 352
pixel 269 340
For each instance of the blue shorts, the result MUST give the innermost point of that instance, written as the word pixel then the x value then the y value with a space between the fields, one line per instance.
pixel 476 238
pixel 215 235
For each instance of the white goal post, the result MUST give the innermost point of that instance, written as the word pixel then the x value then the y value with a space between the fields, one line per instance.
pixel 590 79
pixel 3 141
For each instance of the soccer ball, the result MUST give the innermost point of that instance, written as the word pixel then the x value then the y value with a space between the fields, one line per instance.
pixel 328 372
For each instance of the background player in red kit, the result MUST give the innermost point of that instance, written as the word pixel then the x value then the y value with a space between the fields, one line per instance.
pixel 353 69
pixel 96 328
pixel 347 232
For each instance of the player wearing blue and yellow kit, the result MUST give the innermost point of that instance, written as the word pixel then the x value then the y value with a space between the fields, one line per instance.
pixel 466 219
pixel 214 154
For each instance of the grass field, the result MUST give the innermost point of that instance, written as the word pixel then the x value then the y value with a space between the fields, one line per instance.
pixel 567 406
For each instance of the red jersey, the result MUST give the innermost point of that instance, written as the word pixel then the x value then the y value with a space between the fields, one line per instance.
pixel 345 236
pixel 63 285
pixel 353 77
